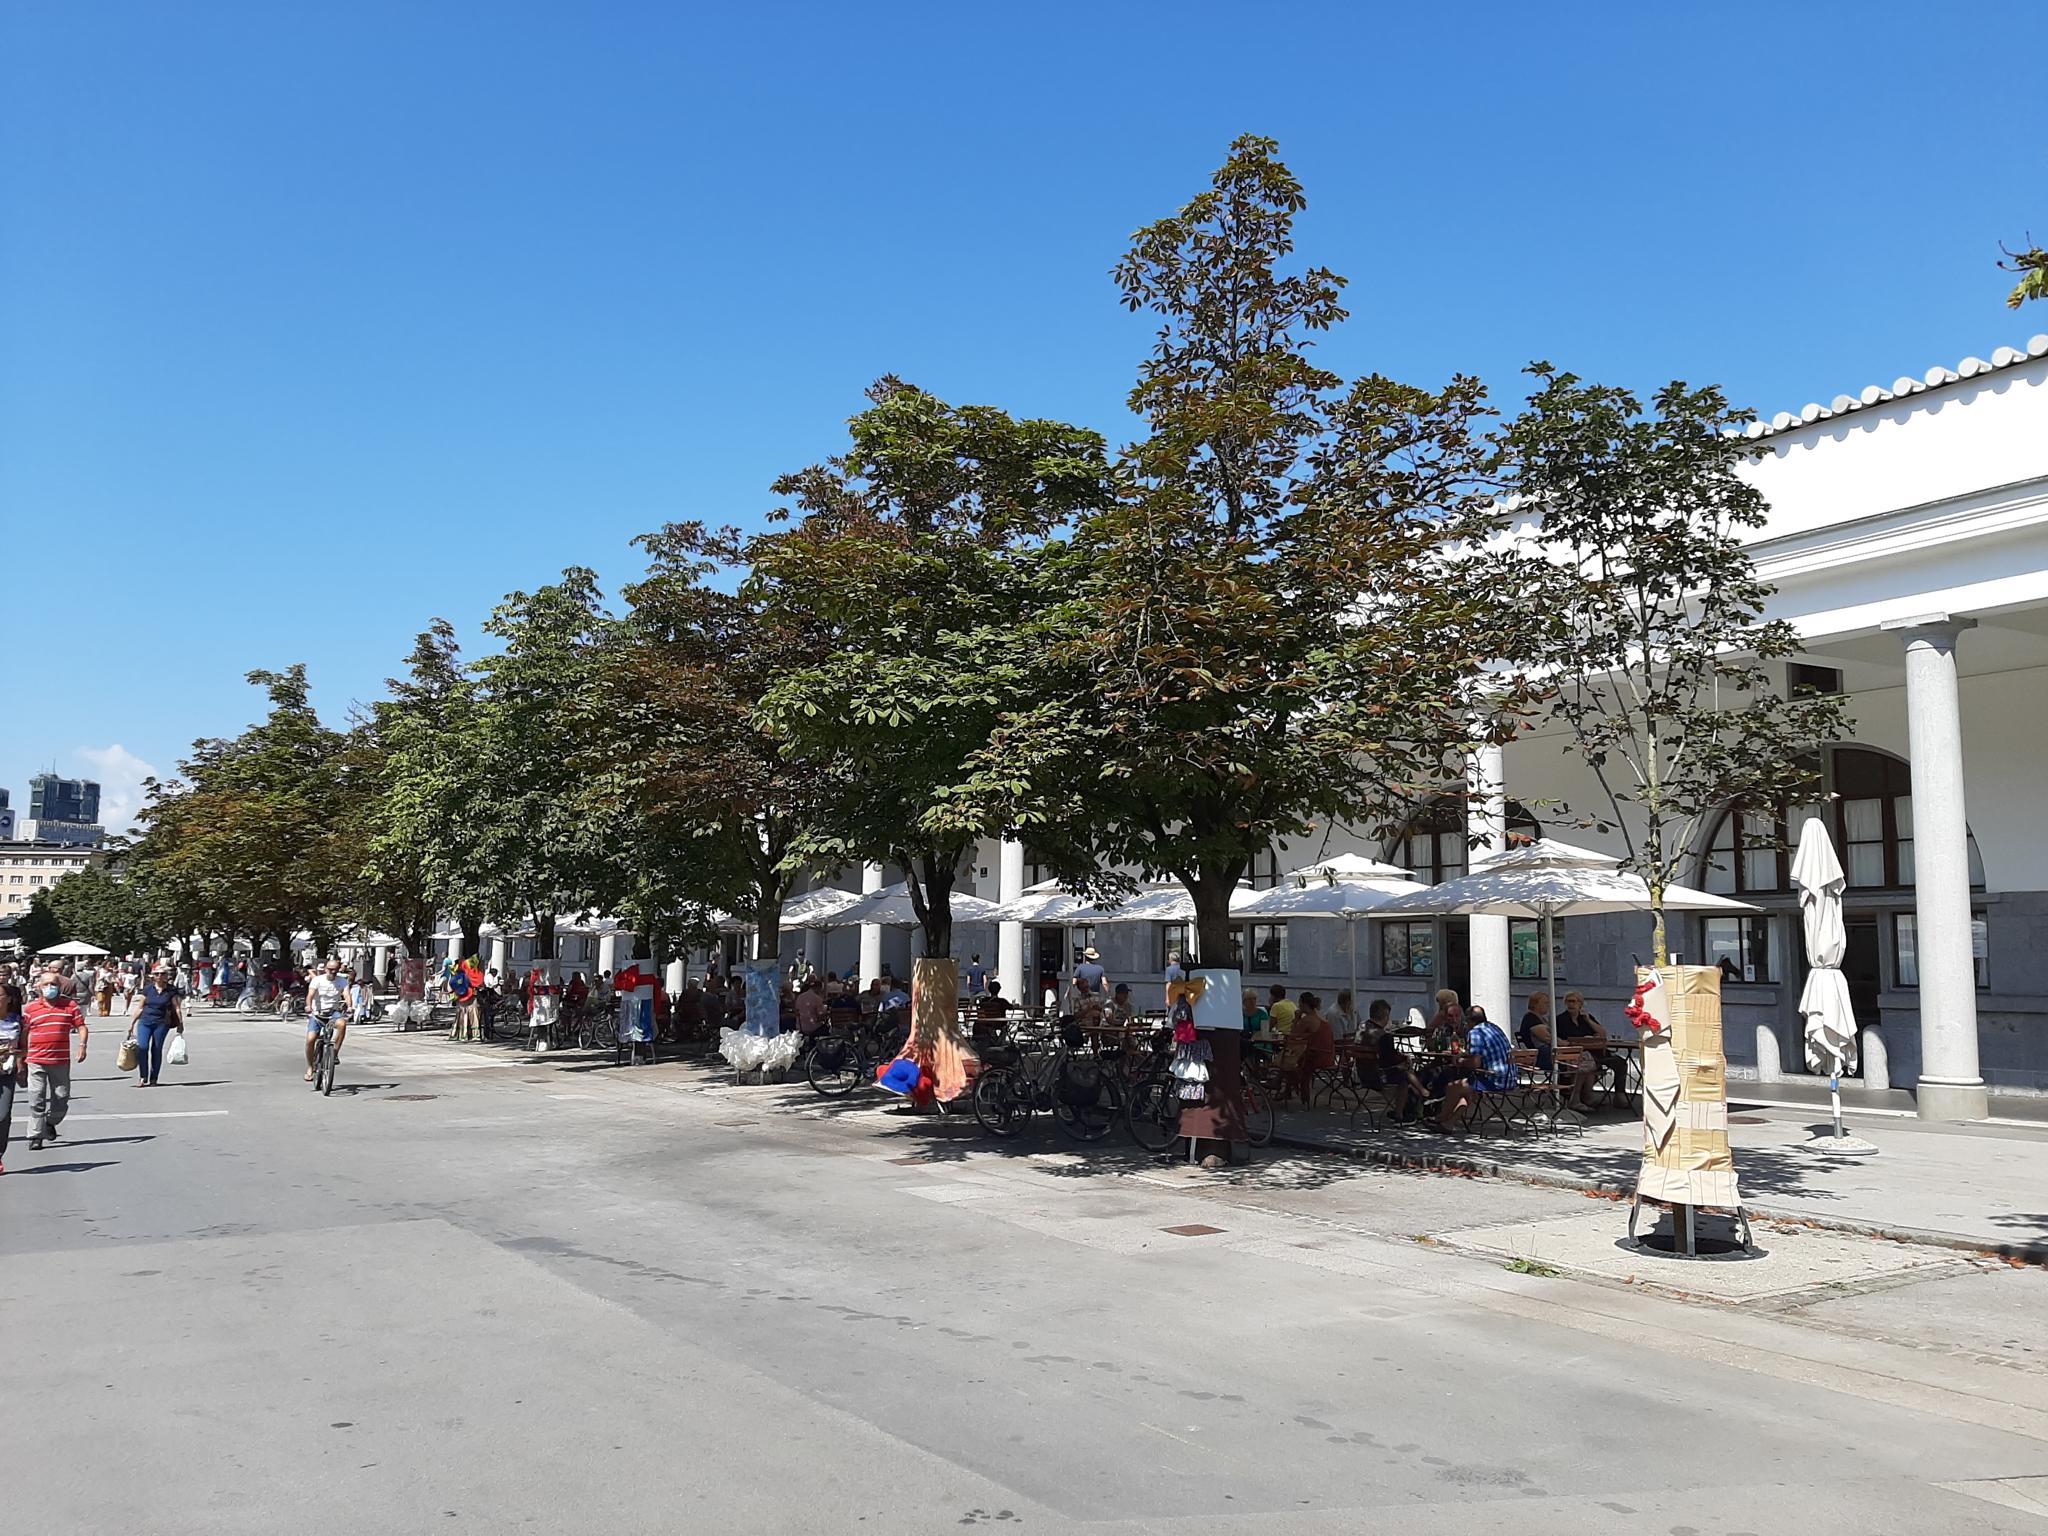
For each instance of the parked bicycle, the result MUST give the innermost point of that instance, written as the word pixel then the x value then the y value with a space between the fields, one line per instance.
pixel 1152 1114
pixel 1073 1081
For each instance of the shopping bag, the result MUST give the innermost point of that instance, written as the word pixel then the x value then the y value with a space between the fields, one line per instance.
pixel 127 1056
pixel 177 1055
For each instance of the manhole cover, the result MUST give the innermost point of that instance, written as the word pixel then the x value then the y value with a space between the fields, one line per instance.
pixel 1192 1229
pixel 1747 1120
pixel 409 1098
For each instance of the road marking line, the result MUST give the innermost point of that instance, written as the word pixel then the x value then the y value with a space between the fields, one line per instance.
pixel 147 1114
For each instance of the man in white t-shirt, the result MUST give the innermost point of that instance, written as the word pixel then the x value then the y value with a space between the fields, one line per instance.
pixel 326 1001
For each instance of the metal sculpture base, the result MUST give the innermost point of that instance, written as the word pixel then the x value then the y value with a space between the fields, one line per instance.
pixel 1685 1241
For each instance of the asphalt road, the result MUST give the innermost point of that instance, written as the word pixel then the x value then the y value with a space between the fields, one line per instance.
pixel 473 1292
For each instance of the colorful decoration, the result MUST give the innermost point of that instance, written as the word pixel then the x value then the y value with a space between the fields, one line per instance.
pixel 764 1001
pixel 1686 1156
pixel 1191 1053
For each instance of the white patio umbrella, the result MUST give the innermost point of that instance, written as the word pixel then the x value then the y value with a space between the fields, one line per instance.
pixel 1349 866
pixel 1546 880
pixel 1317 891
pixel 812 908
pixel 890 907
pixel 1047 902
pixel 1159 904
pixel 70 949
pixel 1824 1005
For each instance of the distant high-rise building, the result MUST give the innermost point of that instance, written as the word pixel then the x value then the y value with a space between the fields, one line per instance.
pixel 61 811
pixel 53 799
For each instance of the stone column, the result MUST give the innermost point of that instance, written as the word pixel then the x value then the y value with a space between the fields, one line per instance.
pixel 870 933
pixel 1950 1087
pixel 608 953
pixel 501 956
pixel 1486 819
pixel 814 949
pixel 1010 936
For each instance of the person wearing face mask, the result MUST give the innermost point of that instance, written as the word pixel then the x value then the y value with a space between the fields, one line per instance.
pixel 48 1024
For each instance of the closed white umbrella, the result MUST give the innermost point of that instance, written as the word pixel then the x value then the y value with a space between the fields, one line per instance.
pixel 1546 880
pixel 890 908
pixel 1824 1005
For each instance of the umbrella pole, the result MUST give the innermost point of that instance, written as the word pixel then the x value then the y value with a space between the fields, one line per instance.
pixel 1353 924
pixel 1550 980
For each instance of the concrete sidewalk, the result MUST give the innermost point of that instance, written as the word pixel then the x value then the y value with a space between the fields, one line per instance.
pixel 1980 1187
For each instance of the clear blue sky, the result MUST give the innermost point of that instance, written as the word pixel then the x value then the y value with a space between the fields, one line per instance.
pixel 408 305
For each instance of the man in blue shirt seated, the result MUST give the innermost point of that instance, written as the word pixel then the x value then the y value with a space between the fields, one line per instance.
pixel 1491 1069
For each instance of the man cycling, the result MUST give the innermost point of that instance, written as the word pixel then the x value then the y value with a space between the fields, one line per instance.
pixel 326 1000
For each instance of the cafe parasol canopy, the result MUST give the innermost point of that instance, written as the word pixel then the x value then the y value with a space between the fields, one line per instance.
pixel 1346 888
pixel 70 949
pixel 890 908
pixel 1546 880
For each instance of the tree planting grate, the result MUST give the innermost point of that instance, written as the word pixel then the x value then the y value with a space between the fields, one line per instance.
pixel 409 1098
pixel 914 1161
pixel 1747 1120
pixel 1192 1229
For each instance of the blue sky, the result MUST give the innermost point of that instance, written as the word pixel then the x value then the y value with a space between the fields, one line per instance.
pixel 318 321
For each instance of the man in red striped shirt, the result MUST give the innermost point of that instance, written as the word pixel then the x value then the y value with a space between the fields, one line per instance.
pixel 49 1022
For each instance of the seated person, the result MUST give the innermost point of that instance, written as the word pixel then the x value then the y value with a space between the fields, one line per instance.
pixel 1280 1011
pixel 1121 1010
pixel 991 1012
pixel 812 1014
pixel 1575 1024
pixel 1490 1070
pixel 1446 1029
pixel 1534 1033
pixel 578 992
pixel 1388 1069
pixel 1311 1048
pixel 1256 1022
pixel 1345 1020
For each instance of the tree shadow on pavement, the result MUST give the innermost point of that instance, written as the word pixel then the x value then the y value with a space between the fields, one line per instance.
pixel 105 1141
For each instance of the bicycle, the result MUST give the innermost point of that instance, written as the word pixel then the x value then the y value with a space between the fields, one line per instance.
pixel 1152 1114
pixel 844 1055
pixel 1076 1084
pixel 325 1056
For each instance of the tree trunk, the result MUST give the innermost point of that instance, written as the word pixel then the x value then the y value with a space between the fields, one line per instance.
pixel 544 936
pixel 937 880
pixel 472 934
pixel 768 923
pixel 1211 896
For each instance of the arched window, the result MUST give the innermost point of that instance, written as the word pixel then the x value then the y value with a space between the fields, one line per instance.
pixel 1435 845
pixel 1869 814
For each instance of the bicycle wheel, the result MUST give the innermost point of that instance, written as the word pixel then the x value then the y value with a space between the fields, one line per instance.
pixel 835 1074
pixel 323 1073
pixel 1258 1114
pixel 1152 1114
pixel 1091 1121
pixel 319 1062
pixel 999 1102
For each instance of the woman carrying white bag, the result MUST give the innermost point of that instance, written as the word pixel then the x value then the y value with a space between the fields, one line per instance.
pixel 159 1022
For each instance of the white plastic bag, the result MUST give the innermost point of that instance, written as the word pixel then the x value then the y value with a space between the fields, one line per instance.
pixel 177 1055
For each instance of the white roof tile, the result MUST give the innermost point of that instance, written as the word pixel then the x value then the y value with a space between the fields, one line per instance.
pixel 1876 394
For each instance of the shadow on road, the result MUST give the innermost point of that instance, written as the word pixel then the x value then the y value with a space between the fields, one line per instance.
pixel 105 1141
pixel 64 1167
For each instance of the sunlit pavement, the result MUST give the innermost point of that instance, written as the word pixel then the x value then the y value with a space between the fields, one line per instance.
pixel 474 1290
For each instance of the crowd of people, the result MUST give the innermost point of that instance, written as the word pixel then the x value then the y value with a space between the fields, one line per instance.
pixel 44 1033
